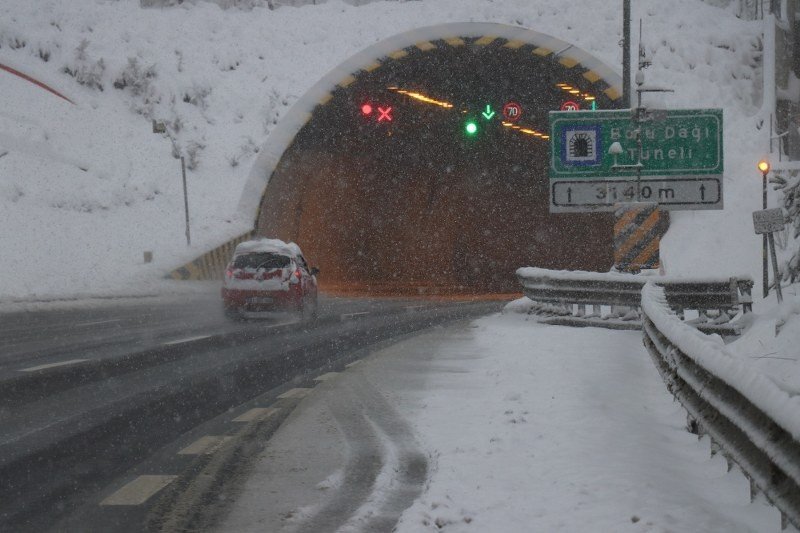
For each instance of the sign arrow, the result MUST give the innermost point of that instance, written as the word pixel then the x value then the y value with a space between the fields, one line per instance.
pixel 488 114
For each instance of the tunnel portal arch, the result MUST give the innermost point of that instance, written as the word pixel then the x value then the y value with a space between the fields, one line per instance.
pixel 375 173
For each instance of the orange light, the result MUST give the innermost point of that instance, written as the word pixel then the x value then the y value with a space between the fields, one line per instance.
pixel 763 166
pixel 421 97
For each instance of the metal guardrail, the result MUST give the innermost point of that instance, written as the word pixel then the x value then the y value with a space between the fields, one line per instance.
pixel 576 298
pixel 766 449
pixel 723 399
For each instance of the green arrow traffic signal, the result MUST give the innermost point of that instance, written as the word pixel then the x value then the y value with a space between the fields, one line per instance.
pixel 488 114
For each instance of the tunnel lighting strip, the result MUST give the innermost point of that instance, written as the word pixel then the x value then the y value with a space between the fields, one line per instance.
pixel 526 131
pixel 574 91
pixel 421 97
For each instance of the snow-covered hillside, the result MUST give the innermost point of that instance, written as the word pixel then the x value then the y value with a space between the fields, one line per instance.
pixel 86 188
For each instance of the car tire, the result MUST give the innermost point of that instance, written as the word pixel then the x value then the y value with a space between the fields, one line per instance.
pixel 309 309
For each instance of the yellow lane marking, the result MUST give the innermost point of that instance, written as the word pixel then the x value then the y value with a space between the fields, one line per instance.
pixel 515 44
pixel 426 46
pixel 325 99
pixel 591 75
pixel 205 445
pixel 483 41
pixel 256 413
pixel 399 54
pixel 52 365
pixel 296 393
pixel 326 377
pixel 455 41
pixel 542 51
pixel 139 490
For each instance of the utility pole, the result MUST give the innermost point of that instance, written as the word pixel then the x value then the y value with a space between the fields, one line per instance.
pixel 185 202
pixel 626 52
pixel 639 114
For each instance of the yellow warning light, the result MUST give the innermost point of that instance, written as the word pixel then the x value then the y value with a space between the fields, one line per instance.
pixel 421 97
pixel 575 91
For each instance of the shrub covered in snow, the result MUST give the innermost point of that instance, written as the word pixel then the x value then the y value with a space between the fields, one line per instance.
pixel 88 72
pixel 789 185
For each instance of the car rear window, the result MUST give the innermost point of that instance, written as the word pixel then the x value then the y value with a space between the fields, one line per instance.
pixel 261 260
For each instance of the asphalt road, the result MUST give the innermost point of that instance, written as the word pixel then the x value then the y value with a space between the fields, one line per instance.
pixel 91 397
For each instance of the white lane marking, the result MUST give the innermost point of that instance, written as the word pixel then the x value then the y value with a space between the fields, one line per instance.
pixel 187 339
pixel 279 324
pixel 295 393
pixel 352 315
pixel 98 322
pixel 256 413
pixel 52 365
pixel 139 490
pixel 326 377
pixel 351 365
pixel 205 445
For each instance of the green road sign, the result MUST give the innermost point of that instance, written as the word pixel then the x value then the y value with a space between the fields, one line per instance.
pixel 675 142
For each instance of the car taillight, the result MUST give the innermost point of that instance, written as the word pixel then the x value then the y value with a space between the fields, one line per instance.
pixel 294 277
pixel 229 273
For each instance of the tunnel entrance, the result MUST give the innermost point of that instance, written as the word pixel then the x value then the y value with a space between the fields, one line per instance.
pixel 427 171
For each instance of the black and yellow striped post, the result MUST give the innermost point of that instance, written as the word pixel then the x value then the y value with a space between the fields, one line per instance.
pixel 638 229
pixel 210 265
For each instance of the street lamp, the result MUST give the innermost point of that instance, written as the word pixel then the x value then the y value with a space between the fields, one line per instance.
pixel 763 167
pixel 161 128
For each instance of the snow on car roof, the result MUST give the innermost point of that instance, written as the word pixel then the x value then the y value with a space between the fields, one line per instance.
pixel 268 245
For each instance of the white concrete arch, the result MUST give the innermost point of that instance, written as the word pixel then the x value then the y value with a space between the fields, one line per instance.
pixel 284 133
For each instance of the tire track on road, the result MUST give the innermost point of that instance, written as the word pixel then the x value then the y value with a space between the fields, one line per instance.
pixel 385 469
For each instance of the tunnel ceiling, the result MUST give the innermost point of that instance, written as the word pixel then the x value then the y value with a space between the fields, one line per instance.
pixel 408 175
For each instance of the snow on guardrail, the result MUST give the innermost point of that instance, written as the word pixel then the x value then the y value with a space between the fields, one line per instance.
pixel 576 298
pixel 754 421
pixel 710 353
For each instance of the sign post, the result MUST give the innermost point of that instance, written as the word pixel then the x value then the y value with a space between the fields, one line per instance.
pixel 767 222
